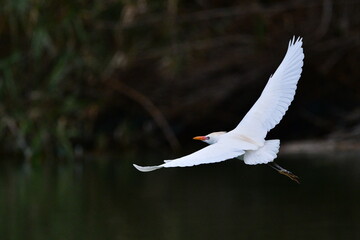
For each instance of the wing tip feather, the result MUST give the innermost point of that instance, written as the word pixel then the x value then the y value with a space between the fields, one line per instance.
pixel 293 41
pixel 147 168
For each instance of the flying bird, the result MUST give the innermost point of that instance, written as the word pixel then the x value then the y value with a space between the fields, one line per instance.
pixel 247 141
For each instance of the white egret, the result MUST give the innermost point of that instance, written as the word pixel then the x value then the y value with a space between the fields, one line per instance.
pixel 247 141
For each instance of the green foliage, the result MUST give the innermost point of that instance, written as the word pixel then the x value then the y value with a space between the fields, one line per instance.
pixel 48 51
pixel 55 58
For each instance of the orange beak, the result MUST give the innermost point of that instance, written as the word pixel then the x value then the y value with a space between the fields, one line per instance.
pixel 202 138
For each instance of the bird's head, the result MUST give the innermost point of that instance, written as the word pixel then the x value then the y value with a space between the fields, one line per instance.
pixel 210 138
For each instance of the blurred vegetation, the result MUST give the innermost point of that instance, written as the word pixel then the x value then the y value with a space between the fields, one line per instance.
pixel 106 76
pixel 53 59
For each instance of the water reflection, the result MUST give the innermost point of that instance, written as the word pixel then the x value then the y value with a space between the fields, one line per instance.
pixel 111 200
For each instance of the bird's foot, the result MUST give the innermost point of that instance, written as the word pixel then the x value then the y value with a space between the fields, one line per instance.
pixel 290 175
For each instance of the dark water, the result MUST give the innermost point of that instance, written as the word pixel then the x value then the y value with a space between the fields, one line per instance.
pixel 108 199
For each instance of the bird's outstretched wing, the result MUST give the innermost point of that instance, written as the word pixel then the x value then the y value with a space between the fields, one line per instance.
pixel 217 152
pixel 276 96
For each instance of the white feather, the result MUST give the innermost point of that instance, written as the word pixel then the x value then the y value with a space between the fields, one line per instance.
pixel 276 96
pixel 213 153
pixel 265 154
pixel 217 152
pixel 147 169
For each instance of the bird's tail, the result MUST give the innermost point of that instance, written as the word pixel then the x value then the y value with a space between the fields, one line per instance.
pixel 265 154
pixel 148 168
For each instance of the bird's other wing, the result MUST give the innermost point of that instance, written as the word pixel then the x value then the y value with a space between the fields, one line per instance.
pixel 276 96
pixel 217 152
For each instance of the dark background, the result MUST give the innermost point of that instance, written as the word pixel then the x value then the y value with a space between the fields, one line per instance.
pixel 102 77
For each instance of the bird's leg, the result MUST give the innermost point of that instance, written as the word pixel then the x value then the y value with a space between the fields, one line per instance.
pixel 283 171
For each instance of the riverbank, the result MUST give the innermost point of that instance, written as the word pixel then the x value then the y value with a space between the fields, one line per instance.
pixel 321 146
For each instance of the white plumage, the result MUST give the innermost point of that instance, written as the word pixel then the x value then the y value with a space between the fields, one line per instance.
pixel 210 154
pixel 247 140
pixel 276 96
pixel 264 154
